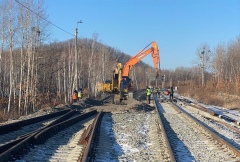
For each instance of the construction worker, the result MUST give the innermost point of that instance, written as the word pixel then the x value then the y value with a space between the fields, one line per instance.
pixel 123 84
pixel 74 96
pixel 158 92
pixel 79 94
pixel 148 94
pixel 171 94
pixel 155 90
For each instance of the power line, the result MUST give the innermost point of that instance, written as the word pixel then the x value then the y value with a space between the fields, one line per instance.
pixel 44 18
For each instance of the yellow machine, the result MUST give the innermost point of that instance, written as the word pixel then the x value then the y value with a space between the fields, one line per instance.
pixel 118 86
pixel 105 87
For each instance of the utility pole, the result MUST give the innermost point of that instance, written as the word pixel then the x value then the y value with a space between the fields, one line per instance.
pixel 178 80
pixel 76 55
pixel 76 59
pixel 202 57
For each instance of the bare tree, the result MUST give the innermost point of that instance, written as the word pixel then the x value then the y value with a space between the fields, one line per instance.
pixel 3 61
pixel 90 61
pixel 218 63
pixel 12 27
pixel 203 60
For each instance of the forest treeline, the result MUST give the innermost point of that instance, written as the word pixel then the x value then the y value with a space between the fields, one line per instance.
pixel 35 74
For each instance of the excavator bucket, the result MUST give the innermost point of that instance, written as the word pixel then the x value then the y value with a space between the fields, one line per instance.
pixel 117 100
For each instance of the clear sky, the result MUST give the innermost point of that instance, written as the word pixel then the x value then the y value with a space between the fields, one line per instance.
pixel 178 26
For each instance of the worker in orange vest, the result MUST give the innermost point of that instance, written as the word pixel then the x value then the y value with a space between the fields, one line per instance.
pixel 74 96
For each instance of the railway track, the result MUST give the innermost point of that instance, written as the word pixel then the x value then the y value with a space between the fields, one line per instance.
pixel 11 127
pixel 201 142
pixel 64 146
pixel 11 133
pixel 25 143
pixel 227 130
pixel 139 141
pixel 133 135
pixel 161 131
pixel 20 136
pixel 185 139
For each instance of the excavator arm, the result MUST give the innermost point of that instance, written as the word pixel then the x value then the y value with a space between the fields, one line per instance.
pixel 140 55
pixel 121 83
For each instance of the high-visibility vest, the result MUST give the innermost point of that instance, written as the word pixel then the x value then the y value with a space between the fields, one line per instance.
pixel 74 96
pixel 79 94
pixel 148 92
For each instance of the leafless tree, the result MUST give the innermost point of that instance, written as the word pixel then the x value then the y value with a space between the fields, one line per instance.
pixel 219 62
pixel 203 60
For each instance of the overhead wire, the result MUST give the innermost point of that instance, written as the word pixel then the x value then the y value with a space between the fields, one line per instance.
pixel 43 18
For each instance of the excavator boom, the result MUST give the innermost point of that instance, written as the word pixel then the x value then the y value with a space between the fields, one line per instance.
pixel 140 55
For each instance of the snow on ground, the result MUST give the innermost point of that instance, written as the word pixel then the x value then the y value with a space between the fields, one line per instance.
pixel 130 137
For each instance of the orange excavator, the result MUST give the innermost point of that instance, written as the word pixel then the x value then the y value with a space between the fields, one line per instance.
pixel 121 83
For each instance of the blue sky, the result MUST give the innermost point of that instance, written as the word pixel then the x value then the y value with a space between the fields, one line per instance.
pixel 178 26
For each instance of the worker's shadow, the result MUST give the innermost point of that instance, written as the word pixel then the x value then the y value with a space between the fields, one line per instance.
pixel 86 103
pixel 75 106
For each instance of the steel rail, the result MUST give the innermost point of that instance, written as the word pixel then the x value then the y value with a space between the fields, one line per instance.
pixel 214 135
pixel 202 108
pixel 199 107
pixel 161 126
pixel 22 137
pixel 88 138
pixel 17 125
pixel 42 135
